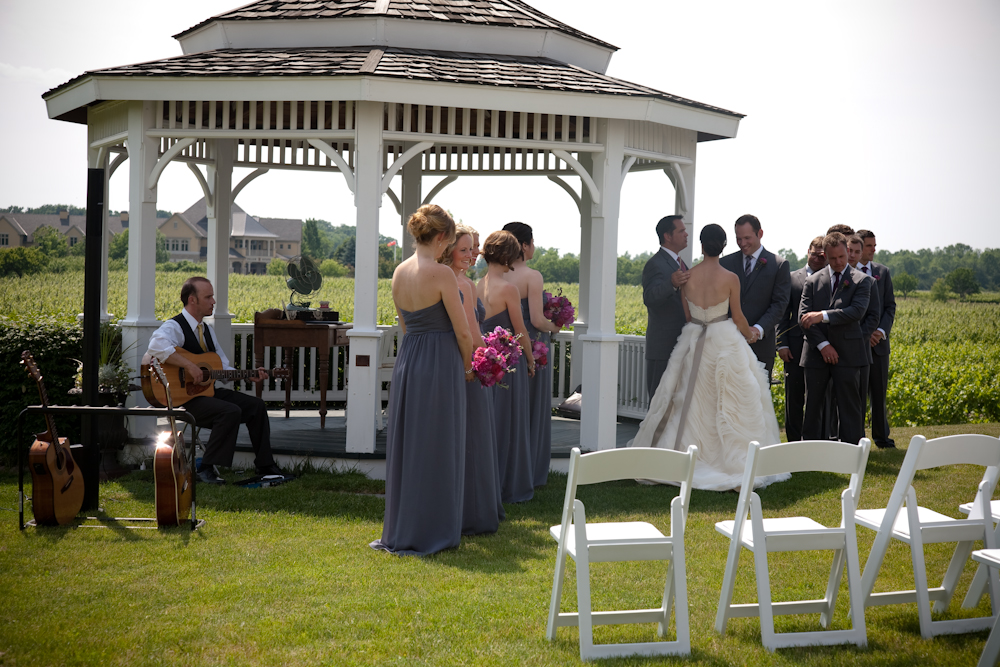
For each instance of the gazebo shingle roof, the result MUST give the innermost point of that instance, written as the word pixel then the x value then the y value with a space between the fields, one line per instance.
pixel 444 66
pixel 503 13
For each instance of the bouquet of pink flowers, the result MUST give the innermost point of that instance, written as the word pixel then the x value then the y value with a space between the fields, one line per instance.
pixel 540 351
pixel 558 309
pixel 499 357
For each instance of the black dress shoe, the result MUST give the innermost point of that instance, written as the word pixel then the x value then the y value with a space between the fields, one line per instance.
pixel 210 476
pixel 273 469
pixel 886 445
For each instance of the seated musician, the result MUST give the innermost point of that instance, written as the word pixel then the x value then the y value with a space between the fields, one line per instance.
pixel 224 412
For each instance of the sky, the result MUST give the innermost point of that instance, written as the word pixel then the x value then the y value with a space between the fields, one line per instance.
pixel 881 115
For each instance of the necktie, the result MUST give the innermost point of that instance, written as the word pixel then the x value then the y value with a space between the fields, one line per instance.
pixel 865 269
pixel 836 282
pixel 749 264
pixel 201 337
pixel 683 265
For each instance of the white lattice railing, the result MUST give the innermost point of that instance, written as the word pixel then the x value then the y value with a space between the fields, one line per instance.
pixel 632 397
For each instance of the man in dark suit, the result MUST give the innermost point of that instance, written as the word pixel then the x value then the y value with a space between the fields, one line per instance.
pixel 878 380
pixel 789 342
pixel 662 278
pixel 833 306
pixel 765 286
pixel 870 322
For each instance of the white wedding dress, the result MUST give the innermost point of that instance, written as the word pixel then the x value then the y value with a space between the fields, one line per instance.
pixel 729 404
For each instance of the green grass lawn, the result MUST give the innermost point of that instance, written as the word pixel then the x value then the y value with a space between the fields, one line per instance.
pixel 284 576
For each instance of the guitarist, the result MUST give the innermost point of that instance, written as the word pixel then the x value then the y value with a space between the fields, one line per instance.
pixel 224 412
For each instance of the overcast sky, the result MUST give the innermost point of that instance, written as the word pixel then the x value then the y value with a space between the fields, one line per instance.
pixel 883 115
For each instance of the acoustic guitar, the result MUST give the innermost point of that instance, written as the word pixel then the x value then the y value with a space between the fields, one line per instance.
pixel 171 468
pixel 56 482
pixel 182 387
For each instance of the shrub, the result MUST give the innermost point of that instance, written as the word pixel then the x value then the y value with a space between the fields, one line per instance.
pixel 21 261
pixel 277 267
pixel 331 268
pixel 939 292
pixel 962 281
pixel 905 283
pixel 64 264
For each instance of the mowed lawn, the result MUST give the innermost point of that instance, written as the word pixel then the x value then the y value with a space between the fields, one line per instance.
pixel 284 576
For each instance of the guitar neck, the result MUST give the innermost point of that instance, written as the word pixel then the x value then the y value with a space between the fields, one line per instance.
pixel 233 375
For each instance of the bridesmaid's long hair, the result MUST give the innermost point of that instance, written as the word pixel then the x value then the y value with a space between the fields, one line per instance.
pixel 501 248
pixel 429 221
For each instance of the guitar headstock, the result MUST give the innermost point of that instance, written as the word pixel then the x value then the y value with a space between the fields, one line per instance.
pixel 280 373
pixel 29 365
pixel 154 364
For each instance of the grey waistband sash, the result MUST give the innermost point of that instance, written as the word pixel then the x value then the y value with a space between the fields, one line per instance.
pixel 695 363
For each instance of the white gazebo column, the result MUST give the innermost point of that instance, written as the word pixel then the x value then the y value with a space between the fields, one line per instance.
pixel 363 391
pixel 582 307
pixel 220 176
pixel 684 205
pixel 600 343
pixel 412 196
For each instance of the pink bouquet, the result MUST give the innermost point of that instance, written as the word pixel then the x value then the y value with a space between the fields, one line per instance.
pixel 558 309
pixel 501 354
pixel 540 351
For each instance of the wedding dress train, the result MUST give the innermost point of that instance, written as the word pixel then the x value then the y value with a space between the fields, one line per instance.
pixel 727 406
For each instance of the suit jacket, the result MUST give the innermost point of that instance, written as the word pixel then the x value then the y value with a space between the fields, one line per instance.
pixel 870 323
pixel 663 304
pixel 887 301
pixel 763 296
pixel 790 334
pixel 846 310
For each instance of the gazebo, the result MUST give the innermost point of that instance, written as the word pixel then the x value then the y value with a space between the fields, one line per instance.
pixel 366 89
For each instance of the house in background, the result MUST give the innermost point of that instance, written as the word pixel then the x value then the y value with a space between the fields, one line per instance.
pixel 253 242
pixel 18 229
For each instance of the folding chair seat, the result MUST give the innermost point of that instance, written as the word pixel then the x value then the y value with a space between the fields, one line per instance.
pixel 627 541
pixel 978 587
pixel 905 520
pixel 762 536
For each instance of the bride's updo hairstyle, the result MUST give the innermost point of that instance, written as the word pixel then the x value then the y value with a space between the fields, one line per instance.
pixel 429 221
pixel 460 231
pixel 501 248
pixel 713 240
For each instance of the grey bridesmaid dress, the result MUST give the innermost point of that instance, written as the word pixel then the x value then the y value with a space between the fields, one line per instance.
pixel 540 398
pixel 425 438
pixel 483 509
pixel 511 411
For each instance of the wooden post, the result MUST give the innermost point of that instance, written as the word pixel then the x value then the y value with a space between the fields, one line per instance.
pixel 600 343
pixel 90 459
pixel 363 392
pixel 219 233
pixel 411 197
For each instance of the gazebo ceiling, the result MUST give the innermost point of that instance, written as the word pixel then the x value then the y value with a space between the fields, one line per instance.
pixel 508 27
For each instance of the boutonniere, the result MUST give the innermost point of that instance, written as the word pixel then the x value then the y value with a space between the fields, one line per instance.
pixel 845 283
pixel 877 276
pixel 761 263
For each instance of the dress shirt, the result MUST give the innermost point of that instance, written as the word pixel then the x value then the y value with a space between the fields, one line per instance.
pixel 753 265
pixel 826 316
pixel 676 258
pixel 169 337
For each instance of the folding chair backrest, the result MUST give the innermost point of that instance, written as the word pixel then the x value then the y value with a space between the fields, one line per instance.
pixel 816 456
pixel 973 449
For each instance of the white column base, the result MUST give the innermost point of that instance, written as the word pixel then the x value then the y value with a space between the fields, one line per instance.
pixel 135 339
pixel 363 392
pixel 576 368
pixel 599 414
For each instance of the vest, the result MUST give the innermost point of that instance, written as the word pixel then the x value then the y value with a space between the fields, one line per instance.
pixel 191 343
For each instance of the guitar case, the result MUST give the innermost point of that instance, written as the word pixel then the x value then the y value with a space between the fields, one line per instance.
pixel 263 481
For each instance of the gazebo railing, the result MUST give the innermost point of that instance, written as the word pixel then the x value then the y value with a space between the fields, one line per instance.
pixel 633 399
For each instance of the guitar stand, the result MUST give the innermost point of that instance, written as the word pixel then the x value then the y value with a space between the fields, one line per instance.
pixel 182 415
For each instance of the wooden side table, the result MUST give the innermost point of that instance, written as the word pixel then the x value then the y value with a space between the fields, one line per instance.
pixel 289 334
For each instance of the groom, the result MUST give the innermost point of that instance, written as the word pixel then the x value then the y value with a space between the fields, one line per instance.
pixel 834 303
pixel 765 286
pixel 662 278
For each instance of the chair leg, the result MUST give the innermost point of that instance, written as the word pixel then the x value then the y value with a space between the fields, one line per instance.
pixel 762 574
pixel 855 590
pixel 979 581
pixel 919 567
pixel 668 600
pixel 585 620
pixel 955 567
pixel 557 583
pixel 991 652
pixel 679 568
pixel 833 588
pixel 728 580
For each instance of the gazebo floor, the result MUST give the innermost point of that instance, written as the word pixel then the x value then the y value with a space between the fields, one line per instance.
pixel 299 438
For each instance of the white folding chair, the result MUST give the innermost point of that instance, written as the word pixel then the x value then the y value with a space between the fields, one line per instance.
pixel 978 587
pixel 386 362
pixel 762 536
pixel 917 526
pixel 628 541
pixel 990 559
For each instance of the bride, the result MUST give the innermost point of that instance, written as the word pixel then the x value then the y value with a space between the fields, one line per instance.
pixel 714 393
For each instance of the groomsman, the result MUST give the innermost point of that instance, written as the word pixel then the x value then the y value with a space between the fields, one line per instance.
pixel 765 286
pixel 878 381
pixel 662 278
pixel 869 324
pixel 833 305
pixel 789 342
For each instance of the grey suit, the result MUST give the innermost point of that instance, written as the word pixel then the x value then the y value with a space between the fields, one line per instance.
pixel 763 297
pixel 790 335
pixel 665 315
pixel 846 310
pixel 878 383
pixel 868 325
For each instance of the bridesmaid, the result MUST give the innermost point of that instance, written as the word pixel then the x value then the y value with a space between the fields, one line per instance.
pixel 482 509
pixel 529 286
pixel 425 440
pixel 511 409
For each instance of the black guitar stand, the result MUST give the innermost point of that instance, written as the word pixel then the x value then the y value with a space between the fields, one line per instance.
pixel 179 414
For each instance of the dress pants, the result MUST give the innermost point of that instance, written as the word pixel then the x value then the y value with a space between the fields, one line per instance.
pixel 223 413
pixel 795 399
pixel 863 389
pixel 878 387
pixel 846 381
pixel 654 372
